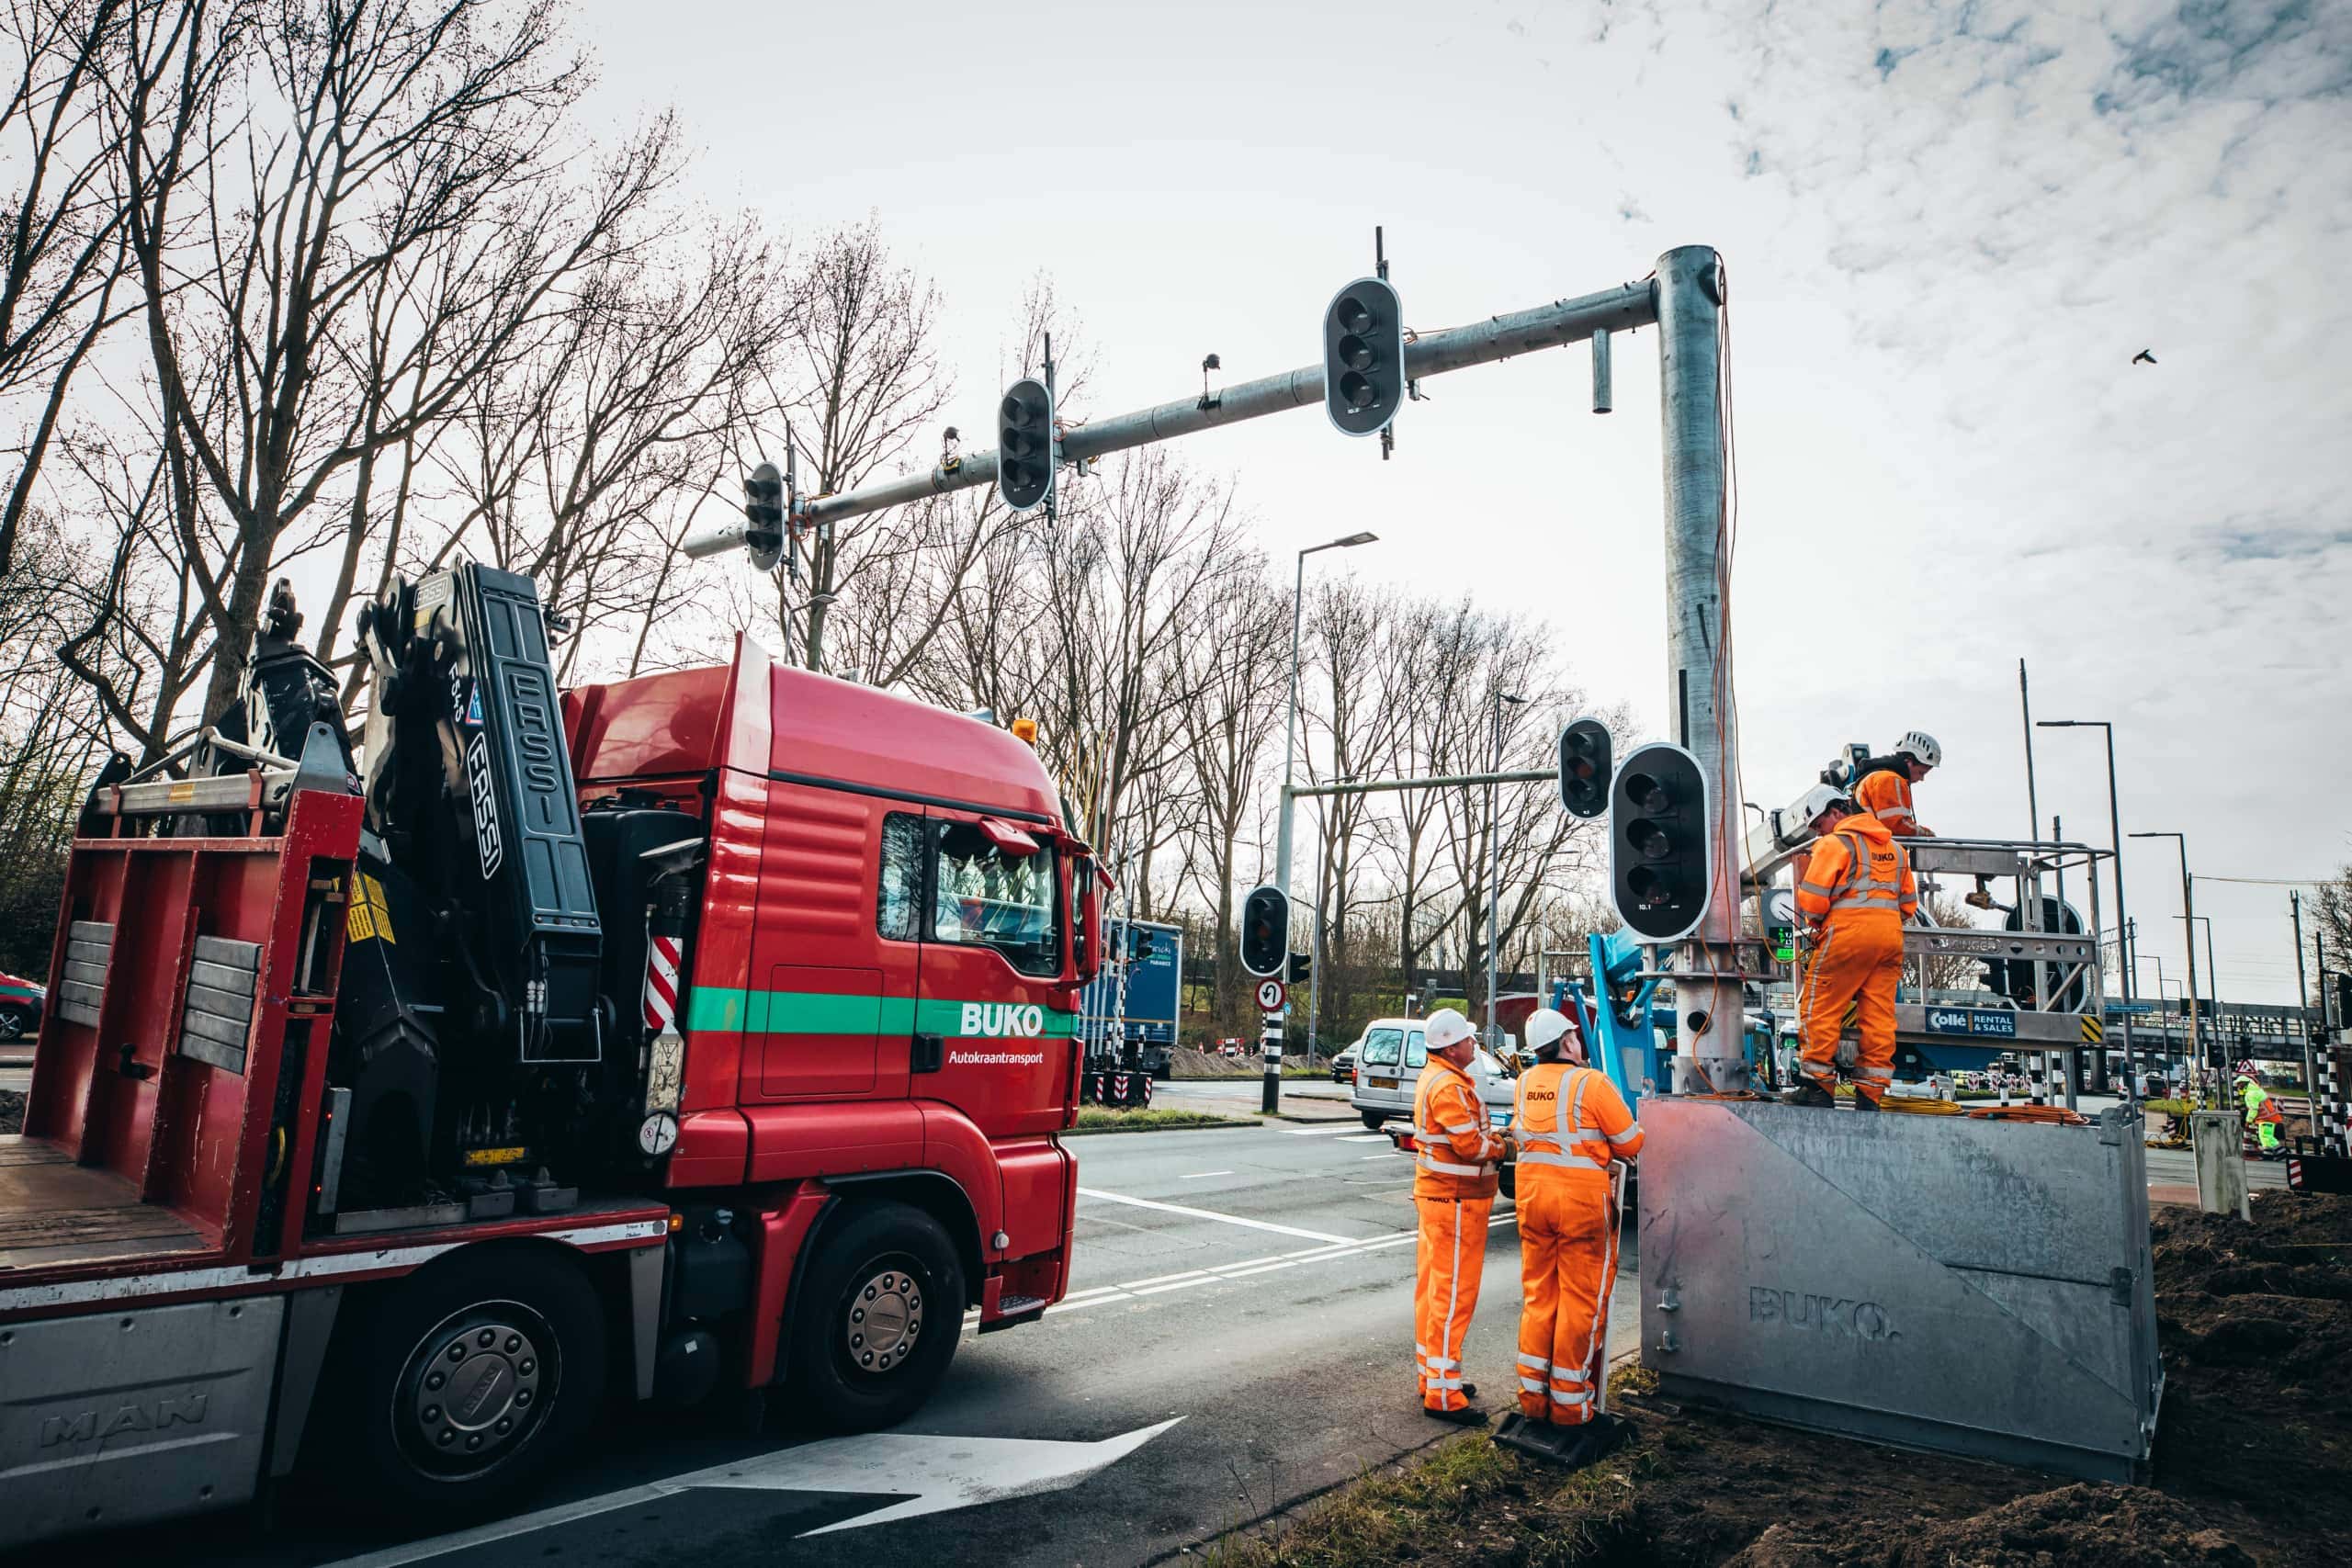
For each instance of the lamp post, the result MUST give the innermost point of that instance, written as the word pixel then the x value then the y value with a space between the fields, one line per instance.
pixel 2122 914
pixel 1290 725
pixel 2212 984
pixel 2188 934
pixel 1494 859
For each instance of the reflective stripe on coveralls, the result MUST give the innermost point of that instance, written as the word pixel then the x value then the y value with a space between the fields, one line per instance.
pixel 1568 1232
pixel 1454 1191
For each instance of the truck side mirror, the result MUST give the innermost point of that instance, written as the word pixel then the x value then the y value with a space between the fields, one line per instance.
pixel 1086 906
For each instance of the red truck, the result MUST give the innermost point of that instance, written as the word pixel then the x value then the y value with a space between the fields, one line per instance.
pixel 705 1031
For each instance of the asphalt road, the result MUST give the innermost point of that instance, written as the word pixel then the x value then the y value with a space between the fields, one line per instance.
pixel 1253 1285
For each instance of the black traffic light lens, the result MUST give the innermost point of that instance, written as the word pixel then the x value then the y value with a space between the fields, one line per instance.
pixel 1353 315
pixel 1647 792
pixel 1017 411
pixel 1358 391
pixel 1016 445
pixel 1355 354
pixel 1647 886
pixel 1651 840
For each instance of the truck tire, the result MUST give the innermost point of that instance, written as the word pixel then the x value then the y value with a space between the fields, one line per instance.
pixel 517 1333
pixel 877 1324
pixel 1374 1120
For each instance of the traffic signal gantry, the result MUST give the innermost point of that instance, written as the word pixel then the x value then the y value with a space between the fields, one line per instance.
pixel 1026 458
pixel 1364 357
pixel 1658 842
pixel 1584 768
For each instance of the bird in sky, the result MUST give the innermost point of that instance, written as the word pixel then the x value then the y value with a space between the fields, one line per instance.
pixel 2145 356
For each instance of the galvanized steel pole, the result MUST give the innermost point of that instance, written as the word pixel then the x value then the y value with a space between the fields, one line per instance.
pixel 1699 692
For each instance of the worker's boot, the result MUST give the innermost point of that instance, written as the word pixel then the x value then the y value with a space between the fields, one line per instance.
pixel 1863 1101
pixel 1468 1416
pixel 1808 1092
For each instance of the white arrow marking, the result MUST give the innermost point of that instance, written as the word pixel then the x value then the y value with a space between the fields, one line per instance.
pixel 928 1474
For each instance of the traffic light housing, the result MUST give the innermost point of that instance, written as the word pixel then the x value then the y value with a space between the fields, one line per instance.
pixel 1025 444
pixel 1364 357
pixel 1584 768
pixel 1302 969
pixel 1265 932
pixel 764 516
pixel 1138 944
pixel 1659 849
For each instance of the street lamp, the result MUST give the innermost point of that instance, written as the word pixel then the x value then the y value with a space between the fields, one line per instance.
pixel 2188 934
pixel 1494 858
pixel 1290 728
pixel 2115 829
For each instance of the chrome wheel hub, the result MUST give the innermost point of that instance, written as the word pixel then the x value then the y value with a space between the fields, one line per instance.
pixel 884 1319
pixel 473 1389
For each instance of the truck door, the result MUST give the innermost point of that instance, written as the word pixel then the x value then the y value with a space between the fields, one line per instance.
pixel 830 993
pixel 997 1021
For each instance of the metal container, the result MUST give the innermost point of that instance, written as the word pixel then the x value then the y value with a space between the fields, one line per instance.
pixel 1971 1287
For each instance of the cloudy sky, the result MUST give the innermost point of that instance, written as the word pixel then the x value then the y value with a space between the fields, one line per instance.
pixel 1948 229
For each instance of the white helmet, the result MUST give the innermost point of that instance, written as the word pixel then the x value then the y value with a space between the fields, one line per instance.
pixel 1549 1026
pixel 1920 746
pixel 1446 1028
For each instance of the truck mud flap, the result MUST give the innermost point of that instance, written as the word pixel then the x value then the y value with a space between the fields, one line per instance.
pixel 128 1417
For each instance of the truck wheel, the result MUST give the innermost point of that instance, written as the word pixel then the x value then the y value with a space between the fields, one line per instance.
pixel 1374 1120
pixel 882 1309
pixel 464 1383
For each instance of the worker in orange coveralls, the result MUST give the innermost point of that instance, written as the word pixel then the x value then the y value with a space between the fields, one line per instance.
pixel 1454 1190
pixel 1569 1124
pixel 1855 892
pixel 1886 793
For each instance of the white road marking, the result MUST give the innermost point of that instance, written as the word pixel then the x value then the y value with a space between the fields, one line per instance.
pixel 1203 1175
pixel 1323 1132
pixel 1247 1268
pixel 1392 1154
pixel 1213 1214
pixel 1365 1138
pixel 926 1474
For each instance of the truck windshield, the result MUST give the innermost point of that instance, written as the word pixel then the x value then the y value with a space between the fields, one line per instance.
pixel 986 898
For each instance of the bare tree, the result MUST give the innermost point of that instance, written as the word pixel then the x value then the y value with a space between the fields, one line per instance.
pixel 368 135
pixel 1236 663
pixel 62 251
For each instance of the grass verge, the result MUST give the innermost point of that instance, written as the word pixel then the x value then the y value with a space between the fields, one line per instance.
pixel 1464 1500
pixel 1100 1119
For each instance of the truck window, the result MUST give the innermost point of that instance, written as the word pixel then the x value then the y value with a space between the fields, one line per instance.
pixel 985 898
pixel 1417 1050
pixel 899 901
pixel 1381 1047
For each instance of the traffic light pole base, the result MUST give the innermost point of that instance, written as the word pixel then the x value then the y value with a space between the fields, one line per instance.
pixel 1270 1040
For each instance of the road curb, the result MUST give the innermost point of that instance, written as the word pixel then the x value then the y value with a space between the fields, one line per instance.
pixel 1127 1132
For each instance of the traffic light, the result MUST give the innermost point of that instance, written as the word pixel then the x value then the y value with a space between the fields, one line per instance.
pixel 1657 842
pixel 1302 968
pixel 1364 356
pixel 1025 444
pixel 1138 944
pixel 764 516
pixel 1265 932
pixel 1584 768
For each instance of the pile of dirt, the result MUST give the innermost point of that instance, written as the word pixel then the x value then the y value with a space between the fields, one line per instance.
pixel 2254 1454
pixel 12 1112
pixel 2253 1465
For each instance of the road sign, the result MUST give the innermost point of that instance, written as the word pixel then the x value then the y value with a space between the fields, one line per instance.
pixel 1271 995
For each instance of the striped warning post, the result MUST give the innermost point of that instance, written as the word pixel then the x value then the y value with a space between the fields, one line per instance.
pixel 662 954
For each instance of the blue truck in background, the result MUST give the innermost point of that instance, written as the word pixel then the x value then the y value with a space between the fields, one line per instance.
pixel 1138 1031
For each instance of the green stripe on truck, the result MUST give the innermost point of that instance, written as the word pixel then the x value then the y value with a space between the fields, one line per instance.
pixel 730 1010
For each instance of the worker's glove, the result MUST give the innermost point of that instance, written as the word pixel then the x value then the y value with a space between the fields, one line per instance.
pixel 1510 1146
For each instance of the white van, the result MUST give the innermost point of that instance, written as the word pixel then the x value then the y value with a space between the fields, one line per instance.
pixel 1389 1059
